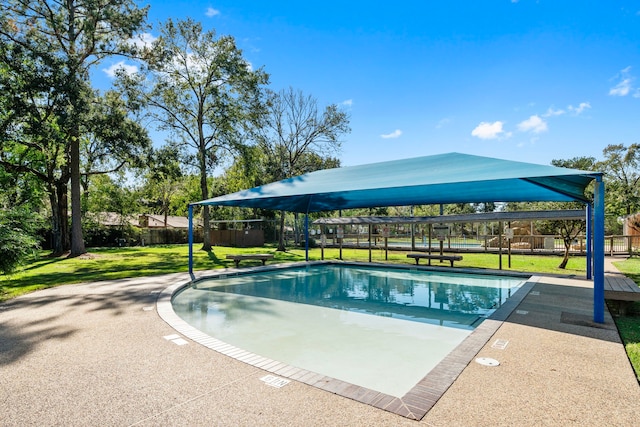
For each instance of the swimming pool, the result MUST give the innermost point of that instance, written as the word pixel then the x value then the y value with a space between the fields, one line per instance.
pixel 381 328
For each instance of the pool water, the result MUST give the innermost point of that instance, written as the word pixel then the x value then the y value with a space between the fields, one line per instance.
pixel 380 328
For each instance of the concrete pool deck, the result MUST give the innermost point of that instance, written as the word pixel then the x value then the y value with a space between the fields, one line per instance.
pixel 99 354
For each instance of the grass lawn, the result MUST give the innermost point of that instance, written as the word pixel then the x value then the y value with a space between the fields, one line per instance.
pixel 629 325
pixel 116 263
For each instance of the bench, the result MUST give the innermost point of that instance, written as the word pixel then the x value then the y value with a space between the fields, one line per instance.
pixel 620 291
pixel 261 257
pixel 429 257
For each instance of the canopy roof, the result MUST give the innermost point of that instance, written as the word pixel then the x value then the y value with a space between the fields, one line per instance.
pixel 443 178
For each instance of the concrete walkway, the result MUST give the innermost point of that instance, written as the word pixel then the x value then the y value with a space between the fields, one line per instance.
pixel 96 354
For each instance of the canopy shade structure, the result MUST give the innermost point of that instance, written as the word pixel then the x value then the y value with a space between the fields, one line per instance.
pixel 443 178
pixel 440 179
pixel 572 214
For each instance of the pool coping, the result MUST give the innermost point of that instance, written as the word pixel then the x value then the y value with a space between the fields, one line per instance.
pixel 415 403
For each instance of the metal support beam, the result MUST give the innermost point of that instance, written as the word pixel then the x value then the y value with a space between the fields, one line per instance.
pixel 191 241
pixel 306 237
pixel 598 249
pixel 589 241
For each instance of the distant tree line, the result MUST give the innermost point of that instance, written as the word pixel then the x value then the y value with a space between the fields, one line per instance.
pixel 69 150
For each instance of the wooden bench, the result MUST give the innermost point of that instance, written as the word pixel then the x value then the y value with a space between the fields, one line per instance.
pixel 429 257
pixel 621 291
pixel 261 257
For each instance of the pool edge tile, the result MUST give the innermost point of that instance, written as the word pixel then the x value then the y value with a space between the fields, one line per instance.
pixel 413 405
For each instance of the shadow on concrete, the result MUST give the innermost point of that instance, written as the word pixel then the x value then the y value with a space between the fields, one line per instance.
pixel 560 307
pixel 44 315
pixel 16 341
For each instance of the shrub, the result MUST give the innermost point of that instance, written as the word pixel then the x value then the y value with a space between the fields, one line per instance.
pixel 18 230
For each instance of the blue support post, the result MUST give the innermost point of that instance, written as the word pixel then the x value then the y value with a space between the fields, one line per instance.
pixel 306 237
pixel 191 241
pixel 589 241
pixel 598 249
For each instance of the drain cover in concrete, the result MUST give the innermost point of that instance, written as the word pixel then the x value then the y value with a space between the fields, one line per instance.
pixel 500 344
pixel 274 381
pixel 487 361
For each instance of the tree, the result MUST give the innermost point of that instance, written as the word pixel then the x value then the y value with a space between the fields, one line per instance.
pixel 163 180
pixel 203 92
pixel 30 136
pixel 297 137
pixel 18 227
pixel 62 41
pixel 622 173
pixel 113 141
pixel 19 219
pixel 568 230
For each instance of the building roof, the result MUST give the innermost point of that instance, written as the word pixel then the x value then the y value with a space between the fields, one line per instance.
pixel 443 178
pixel 155 221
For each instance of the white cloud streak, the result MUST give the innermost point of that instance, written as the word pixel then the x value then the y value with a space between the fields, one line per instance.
pixel 486 130
pixel 211 12
pixel 624 86
pixel 126 68
pixel 533 124
pixel 143 40
pixel 580 108
pixel 395 134
pixel 552 112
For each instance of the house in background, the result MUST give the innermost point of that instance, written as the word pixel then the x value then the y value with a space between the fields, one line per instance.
pixel 161 229
pixel 162 221
pixel 142 229
pixel 631 228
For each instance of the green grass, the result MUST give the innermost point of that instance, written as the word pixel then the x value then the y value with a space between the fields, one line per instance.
pixel 629 325
pixel 117 263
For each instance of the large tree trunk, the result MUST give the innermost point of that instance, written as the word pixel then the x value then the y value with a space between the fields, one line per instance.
pixel 281 246
pixel 57 245
pixel 63 209
pixel 206 237
pixel 77 239
pixel 59 218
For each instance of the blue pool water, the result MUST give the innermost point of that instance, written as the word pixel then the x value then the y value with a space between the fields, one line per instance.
pixel 381 328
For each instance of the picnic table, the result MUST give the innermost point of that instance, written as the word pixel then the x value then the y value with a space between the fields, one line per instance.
pixel 261 257
pixel 429 257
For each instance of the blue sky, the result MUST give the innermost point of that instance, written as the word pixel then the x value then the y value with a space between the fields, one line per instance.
pixel 520 80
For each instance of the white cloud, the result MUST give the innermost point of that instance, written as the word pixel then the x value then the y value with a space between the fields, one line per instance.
pixel 395 134
pixel 143 40
pixel 347 102
pixel 621 89
pixel 534 124
pixel 211 12
pixel 580 108
pixel 486 130
pixel 126 68
pixel 551 112
pixel 624 85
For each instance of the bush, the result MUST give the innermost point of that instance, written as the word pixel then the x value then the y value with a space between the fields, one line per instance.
pixel 18 230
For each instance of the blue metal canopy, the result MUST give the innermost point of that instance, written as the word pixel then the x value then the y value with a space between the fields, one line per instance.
pixel 443 178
